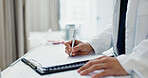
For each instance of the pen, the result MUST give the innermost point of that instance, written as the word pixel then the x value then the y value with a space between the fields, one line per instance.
pixel 74 36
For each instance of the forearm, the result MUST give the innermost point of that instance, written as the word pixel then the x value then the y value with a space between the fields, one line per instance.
pixel 103 41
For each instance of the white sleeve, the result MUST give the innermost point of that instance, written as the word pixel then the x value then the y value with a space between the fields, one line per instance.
pixel 137 59
pixel 102 41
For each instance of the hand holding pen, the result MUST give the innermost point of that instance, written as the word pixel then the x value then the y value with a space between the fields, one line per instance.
pixel 73 42
pixel 76 47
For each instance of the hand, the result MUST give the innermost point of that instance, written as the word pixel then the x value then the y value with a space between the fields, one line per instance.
pixel 110 65
pixel 80 48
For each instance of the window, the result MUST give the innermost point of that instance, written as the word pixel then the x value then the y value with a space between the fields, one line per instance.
pixel 89 16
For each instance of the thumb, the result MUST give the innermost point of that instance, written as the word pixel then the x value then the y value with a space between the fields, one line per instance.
pixel 77 48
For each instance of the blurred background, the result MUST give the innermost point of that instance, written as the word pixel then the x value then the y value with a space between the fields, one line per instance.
pixel 25 24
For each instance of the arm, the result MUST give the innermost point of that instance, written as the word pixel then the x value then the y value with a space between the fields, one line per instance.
pixel 122 65
pixel 137 59
pixel 103 41
pixel 100 43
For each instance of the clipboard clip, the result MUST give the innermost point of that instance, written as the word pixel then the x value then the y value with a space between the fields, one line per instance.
pixel 32 63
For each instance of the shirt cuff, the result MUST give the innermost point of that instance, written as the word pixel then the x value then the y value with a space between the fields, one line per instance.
pixel 123 61
pixel 94 46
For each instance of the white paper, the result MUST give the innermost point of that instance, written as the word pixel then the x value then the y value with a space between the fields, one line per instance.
pixel 55 55
pixel 49 56
pixel 58 56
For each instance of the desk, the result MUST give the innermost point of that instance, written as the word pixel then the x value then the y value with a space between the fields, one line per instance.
pixel 47 55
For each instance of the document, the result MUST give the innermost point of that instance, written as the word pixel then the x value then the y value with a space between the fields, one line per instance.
pixel 50 56
pixel 55 55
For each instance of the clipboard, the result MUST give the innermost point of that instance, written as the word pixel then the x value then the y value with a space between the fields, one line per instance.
pixel 54 69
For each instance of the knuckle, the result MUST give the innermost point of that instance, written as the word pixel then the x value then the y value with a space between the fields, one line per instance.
pixel 106 65
pixel 96 75
pixel 95 66
pixel 86 71
pixel 90 63
pixel 82 68
pixel 106 73
pixel 66 43
pixel 105 59
pixel 66 50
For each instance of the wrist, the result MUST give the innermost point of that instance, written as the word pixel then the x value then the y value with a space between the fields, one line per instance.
pixel 90 47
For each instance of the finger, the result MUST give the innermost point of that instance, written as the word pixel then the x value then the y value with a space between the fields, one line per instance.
pixel 92 68
pixel 98 58
pixel 101 57
pixel 102 74
pixel 77 42
pixel 105 59
pixel 77 48
pixel 67 52
pixel 88 64
pixel 74 54
pixel 82 53
pixel 68 49
pixel 67 44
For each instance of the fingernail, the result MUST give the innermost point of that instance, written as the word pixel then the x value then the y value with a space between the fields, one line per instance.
pixel 73 54
pixel 78 70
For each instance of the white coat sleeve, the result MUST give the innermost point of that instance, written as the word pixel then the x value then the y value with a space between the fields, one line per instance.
pixel 137 59
pixel 102 41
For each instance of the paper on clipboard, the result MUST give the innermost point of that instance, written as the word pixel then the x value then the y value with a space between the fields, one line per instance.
pixel 50 56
